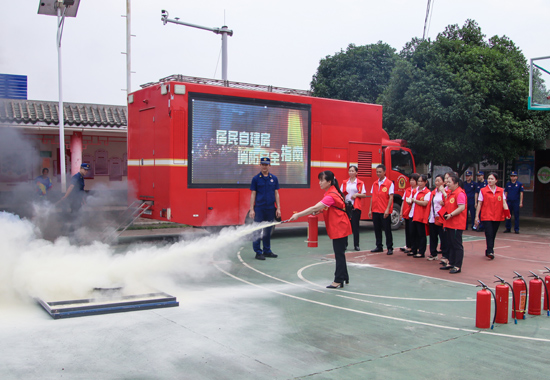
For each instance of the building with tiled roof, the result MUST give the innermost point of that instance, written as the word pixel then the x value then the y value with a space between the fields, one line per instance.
pixel 94 133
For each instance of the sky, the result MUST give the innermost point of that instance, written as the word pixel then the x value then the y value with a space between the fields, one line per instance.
pixel 277 43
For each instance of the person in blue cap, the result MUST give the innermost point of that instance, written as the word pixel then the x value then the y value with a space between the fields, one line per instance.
pixel 43 183
pixel 480 184
pixel 263 198
pixel 75 192
pixel 514 197
pixel 469 187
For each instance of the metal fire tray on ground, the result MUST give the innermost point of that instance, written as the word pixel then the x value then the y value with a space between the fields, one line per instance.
pixel 118 304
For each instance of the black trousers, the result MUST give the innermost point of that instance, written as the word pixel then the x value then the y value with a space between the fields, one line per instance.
pixel 437 235
pixel 456 249
pixel 420 236
pixel 408 239
pixel 491 228
pixel 355 218
pixel 341 272
pixel 382 224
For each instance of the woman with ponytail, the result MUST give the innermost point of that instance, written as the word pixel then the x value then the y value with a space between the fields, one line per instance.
pixel 336 221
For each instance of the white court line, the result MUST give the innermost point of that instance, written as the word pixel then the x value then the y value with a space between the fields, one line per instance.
pixel 300 275
pixel 380 315
pixel 272 277
pixel 525 241
pixel 506 246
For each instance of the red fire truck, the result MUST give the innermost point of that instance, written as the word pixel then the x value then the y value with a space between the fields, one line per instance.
pixel 194 145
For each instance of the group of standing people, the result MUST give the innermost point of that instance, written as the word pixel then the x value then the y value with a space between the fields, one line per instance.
pixel 441 214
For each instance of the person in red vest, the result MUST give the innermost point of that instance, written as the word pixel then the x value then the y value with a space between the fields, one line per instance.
pixel 410 192
pixel 354 190
pixel 491 210
pixel 336 221
pixel 421 213
pixel 455 213
pixel 380 209
pixel 436 222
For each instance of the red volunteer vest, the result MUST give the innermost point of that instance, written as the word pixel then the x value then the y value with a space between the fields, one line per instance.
pixel 421 213
pixel 457 222
pixel 381 197
pixel 406 207
pixel 336 220
pixel 357 203
pixel 492 208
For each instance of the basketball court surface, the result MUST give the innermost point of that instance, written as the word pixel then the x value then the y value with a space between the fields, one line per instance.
pixel 399 318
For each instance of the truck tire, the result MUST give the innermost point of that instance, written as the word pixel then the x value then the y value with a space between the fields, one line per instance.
pixel 395 219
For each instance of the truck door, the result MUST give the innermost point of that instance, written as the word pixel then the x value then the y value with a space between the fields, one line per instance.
pixel 366 156
pixel 144 144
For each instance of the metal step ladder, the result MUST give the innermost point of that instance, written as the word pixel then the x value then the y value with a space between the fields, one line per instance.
pixel 126 219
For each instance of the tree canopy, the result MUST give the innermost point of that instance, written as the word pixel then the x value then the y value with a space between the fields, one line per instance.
pixel 359 74
pixel 461 99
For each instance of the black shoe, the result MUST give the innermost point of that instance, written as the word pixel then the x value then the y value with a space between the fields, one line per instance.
pixel 390 252
pixel 347 282
pixel 376 249
pixel 357 248
pixel 419 255
pixel 454 270
pixel 491 256
pixel 506 231
pixel 259 256
pixel 341 285
pixel 411 253
pixel 446 267
pixel 270 254
pixel 516 232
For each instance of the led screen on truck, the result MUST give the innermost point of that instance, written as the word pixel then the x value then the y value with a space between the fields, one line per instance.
pixel 229 135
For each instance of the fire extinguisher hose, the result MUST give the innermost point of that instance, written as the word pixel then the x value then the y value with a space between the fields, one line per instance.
pixel 513 297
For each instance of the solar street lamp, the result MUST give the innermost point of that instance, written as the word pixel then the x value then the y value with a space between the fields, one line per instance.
pixel 61 9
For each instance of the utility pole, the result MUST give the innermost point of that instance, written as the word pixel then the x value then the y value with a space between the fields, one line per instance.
pixel 224 31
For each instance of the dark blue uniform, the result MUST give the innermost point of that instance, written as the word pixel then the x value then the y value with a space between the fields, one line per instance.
pixel 512 191
pixel 264 208
pixel 77 194
pixel 470 189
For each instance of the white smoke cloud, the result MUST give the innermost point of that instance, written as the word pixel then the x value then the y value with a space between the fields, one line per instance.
pixel 33 267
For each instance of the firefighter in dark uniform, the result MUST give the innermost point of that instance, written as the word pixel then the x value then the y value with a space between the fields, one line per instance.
pixel 514 197
pixel 480 184
pixel 75 192
pixel 264 196
pixel 469 187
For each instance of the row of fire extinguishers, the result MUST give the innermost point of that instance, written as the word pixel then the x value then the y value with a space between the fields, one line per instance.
pixel 522 296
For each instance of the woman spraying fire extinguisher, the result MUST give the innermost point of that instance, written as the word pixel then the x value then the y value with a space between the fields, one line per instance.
pixel 491 210
pixel 336 221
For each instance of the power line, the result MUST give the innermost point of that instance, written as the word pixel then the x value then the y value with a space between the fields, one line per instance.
pixel 428 18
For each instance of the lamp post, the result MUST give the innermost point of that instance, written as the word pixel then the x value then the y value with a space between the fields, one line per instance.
pixel 224 31
pixel 61 9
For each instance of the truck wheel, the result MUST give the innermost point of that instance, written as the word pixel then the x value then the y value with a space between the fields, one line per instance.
pixel 395 219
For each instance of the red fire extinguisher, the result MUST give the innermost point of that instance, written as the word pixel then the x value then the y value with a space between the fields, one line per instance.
pixel 519 287
pixel 312 231
pixel 502 292
pixel 483 307
pixel 546 299
pixel 535 292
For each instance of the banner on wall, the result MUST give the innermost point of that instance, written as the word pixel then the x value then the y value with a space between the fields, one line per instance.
pixel 525 167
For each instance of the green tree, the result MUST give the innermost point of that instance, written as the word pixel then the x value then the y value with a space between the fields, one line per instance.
pixel 461 99
pixel 358 74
